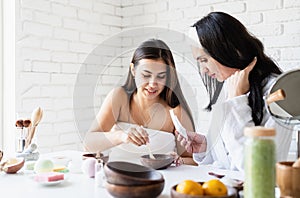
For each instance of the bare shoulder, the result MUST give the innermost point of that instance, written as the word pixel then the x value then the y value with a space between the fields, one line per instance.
pixel 117 92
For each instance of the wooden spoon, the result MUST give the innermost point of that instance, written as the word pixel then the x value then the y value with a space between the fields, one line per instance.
pixel 36 117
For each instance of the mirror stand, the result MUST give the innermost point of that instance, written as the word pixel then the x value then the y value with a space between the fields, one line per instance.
pixel 298 143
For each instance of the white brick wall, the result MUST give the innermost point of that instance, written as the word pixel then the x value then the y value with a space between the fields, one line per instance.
pixel 55 37
pixel 53 40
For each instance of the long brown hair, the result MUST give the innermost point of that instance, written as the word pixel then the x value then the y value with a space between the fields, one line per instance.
pixel 155 49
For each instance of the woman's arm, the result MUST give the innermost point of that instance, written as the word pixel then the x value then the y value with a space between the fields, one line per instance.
pixel 187 124
pixel 99 137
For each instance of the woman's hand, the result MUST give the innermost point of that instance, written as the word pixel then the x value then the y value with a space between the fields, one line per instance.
pixel 196 143
pixel 137 136
pixel 177 159
pixel 238 83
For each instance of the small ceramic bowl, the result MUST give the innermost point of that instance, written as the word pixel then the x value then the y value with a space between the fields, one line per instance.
pixel 125 173
pixel 288 179
pixel 94 155
pixel 161 161
pixel 61 160
pixel 231 193
pixel 145 191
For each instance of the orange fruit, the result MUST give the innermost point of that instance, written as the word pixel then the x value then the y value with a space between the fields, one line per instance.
pixel 214 187
pixel 189 187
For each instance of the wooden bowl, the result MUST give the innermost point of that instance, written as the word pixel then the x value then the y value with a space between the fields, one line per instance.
pixel 161 161
pixel 13 165
pixel 231 193
pixel 145 191
pixel 125 173
pixel 288 179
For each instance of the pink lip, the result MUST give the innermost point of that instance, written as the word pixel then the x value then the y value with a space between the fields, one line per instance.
pixel 151 91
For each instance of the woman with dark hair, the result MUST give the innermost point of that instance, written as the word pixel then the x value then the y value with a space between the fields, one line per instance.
pixel 229 55
pixel 136 115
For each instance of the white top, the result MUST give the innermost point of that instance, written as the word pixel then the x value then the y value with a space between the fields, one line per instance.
pixel 226 132
pixel 160 142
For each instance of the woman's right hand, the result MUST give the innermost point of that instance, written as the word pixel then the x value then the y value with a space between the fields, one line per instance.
pixel 196 143
pixel 136 135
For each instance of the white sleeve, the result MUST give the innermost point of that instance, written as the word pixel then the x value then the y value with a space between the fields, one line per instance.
pixel 238 116
pixel 203 157
pixel 199 157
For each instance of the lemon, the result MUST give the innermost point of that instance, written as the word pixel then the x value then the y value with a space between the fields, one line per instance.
pixel 189 187
pixel 214 187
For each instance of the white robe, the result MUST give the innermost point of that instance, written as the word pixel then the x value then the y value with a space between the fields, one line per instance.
pixel 160 142
pixel 225 138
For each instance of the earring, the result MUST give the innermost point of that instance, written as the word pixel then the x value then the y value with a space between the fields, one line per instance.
pixel 131 66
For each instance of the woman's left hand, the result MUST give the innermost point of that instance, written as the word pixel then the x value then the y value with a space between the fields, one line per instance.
pixel 238 83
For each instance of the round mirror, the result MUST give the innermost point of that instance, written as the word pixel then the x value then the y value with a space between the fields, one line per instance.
pixel 283 100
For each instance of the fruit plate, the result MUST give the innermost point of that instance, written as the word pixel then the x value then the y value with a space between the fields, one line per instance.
pixel 231 193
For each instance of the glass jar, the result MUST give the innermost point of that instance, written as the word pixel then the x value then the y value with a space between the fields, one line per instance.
pixel 19 139
pixel 260 161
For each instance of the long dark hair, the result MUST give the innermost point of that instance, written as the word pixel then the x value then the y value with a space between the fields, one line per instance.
pixel 227 40
pixel 155 49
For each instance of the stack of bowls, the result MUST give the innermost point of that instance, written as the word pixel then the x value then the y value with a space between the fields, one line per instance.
pixel 124 179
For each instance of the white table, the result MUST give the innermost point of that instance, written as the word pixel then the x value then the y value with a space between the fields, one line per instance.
pixel 77 185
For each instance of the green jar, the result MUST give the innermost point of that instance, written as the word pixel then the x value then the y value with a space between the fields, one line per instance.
pixel 260 161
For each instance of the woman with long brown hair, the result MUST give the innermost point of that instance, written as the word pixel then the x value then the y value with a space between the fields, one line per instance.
pixel 137 113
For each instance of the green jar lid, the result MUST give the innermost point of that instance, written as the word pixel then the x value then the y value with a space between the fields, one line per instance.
pixel 256 131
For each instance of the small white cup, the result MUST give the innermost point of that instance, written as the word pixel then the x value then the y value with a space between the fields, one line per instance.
pixel 61 160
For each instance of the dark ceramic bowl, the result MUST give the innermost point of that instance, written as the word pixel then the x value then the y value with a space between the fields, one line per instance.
pixel 125 173
pixel 231 193
pixel 161 161
pixel 145 191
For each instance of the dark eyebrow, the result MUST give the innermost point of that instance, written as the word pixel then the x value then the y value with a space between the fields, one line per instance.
pixel 158 73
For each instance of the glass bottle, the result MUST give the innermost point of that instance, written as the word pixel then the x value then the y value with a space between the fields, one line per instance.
pixel 99 173
pixel 19 139
pixel 260 161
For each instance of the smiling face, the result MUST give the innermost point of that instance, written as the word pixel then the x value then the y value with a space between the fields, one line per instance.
pixel 210 66
pixel 150 77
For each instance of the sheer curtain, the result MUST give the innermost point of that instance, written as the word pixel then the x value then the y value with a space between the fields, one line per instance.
pixel 7 76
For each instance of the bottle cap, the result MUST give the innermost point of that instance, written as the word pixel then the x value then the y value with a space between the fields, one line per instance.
pixel 259 131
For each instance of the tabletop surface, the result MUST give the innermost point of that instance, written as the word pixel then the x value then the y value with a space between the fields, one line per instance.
pixel 78 184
